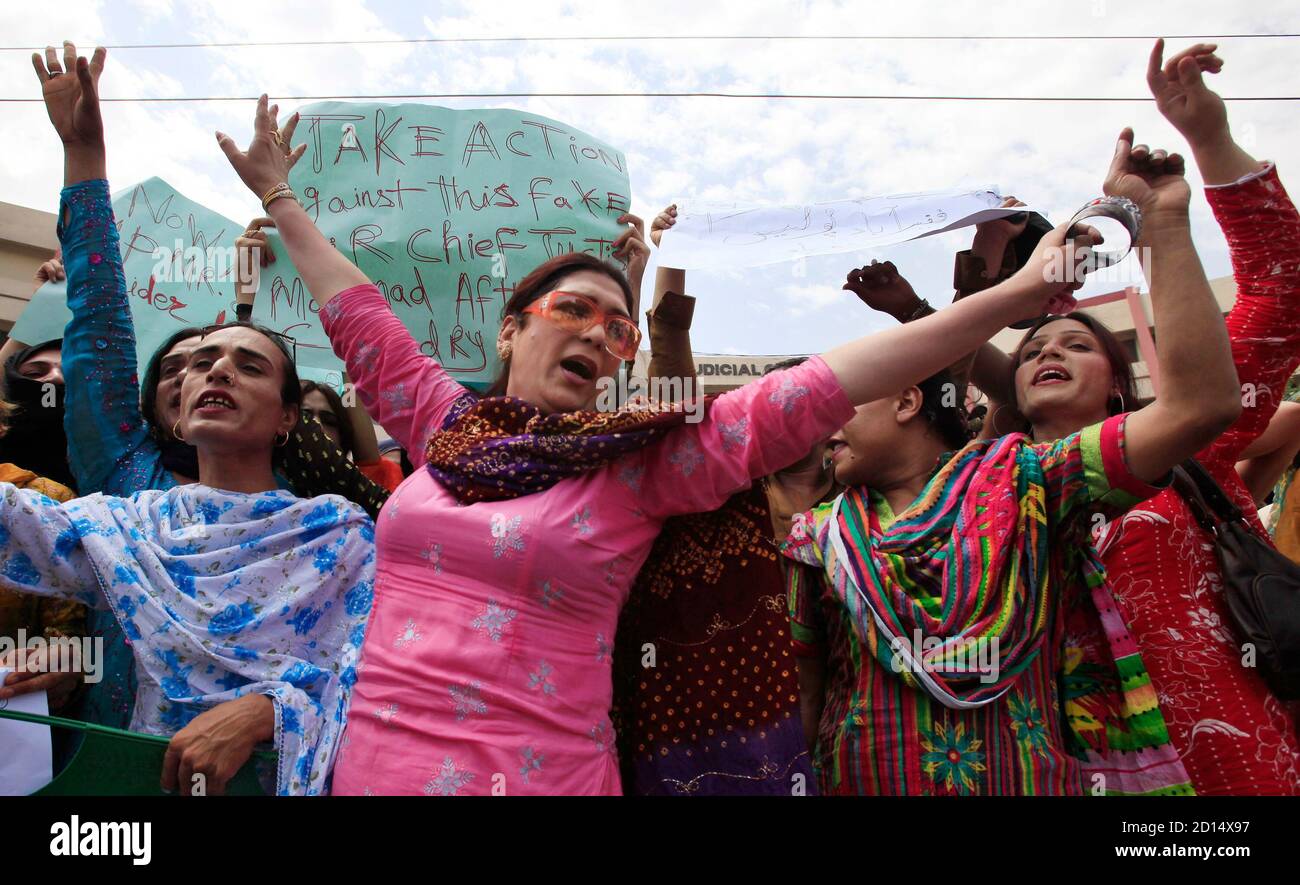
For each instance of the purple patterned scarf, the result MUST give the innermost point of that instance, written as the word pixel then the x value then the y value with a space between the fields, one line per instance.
pixel 502 447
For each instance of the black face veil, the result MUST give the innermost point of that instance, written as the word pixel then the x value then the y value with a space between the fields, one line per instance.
pixel 34 438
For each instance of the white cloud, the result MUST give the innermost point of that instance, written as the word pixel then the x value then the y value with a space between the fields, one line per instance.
pixel 804 299
pixel 153 7
pixel 1053 155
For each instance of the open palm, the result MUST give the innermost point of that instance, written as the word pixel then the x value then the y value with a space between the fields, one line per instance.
pixel 71 93
pixel 1181 94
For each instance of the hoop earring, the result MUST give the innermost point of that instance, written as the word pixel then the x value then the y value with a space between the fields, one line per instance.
pixel 176 430
pixel 993 420
pixel 280 445
pixel 1122 408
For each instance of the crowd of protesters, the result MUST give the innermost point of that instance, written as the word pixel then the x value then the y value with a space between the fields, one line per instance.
pixel 844 579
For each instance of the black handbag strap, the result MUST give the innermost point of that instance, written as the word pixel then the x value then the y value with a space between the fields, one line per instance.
pixel 1206 499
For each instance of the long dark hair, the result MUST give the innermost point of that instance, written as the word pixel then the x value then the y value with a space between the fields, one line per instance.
pixel 543 279
pixel 946 419
pixel 290 392
pixel 1121 370
pixel 336 406
pixel 290 389
pixel 149 389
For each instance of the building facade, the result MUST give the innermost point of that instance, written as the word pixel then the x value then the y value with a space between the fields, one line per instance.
pixel 27 240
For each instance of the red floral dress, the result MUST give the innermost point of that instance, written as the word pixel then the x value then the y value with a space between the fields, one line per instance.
pixel 1233 735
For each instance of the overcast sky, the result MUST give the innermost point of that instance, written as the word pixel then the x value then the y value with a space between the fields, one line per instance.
pixel 1053 155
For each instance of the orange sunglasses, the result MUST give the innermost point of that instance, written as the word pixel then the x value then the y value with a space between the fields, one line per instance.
pixel 578 313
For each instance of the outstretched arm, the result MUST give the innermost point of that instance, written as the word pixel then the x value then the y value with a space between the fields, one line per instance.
pixel 1199 397
pixel 40 548
pixel 1262 227
pixel 882 288
pixel 888 361
pixel 669 318
pixel 325 272
pixel 1263 462
pixel 102 414
pixel 405 391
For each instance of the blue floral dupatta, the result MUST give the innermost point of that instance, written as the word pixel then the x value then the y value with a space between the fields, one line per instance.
pixel 220 594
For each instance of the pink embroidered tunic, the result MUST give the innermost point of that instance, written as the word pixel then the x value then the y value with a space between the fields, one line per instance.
pixel 486 663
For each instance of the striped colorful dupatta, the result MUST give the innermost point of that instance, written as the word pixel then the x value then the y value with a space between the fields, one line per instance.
pixel 958 585
pixel 962 590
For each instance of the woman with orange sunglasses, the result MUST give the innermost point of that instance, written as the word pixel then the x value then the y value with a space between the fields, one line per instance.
pixel 502 565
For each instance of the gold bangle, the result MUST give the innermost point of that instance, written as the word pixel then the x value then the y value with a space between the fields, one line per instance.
pixel 282 186
pixel 286 192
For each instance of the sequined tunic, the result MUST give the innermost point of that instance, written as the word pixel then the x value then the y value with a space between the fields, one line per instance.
pixel 486 667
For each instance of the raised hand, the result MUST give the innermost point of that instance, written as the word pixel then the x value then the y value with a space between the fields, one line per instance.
pixel 630 247
pixel 662 222
pixel 51 271
pixel 252 252
pixel 1154 179
pixel 1004 229
pixel 1057 267
pixel 991 239
pixel 71 93
pixel 269 157
pixel 880 287
pixel 252 245
pixel 1182 96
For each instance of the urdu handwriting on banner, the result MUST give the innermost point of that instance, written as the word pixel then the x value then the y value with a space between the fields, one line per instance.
pixel 711 235
pixel 445 210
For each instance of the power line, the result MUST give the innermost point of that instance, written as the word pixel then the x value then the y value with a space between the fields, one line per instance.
pixel 740 95
pixel 615 38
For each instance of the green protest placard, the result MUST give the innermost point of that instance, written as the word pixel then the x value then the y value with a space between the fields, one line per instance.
pixel 445 210
pixel 177 257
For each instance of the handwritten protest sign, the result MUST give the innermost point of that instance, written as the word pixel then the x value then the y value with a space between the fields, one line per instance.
pixel 446 210
pixel 729 235
pixel 177 257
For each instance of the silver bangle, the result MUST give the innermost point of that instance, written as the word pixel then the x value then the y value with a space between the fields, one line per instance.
pixel 922 310
pixel 1121 209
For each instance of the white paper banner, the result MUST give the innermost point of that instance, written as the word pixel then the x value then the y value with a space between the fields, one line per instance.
pixel 26 764
pixel 728 235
